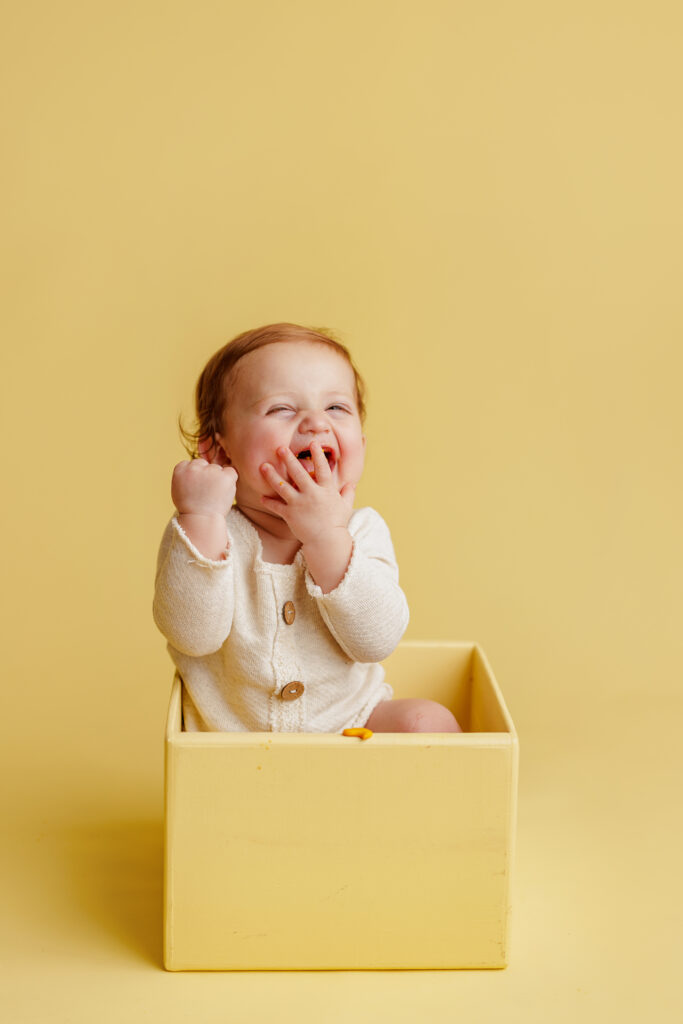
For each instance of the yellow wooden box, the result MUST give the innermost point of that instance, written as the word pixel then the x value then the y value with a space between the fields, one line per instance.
pixel 307 851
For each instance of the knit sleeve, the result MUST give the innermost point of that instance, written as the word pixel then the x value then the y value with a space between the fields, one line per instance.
pixel 194 595
pixel 367 613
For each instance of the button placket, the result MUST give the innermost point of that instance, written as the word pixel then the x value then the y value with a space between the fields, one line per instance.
pixel 288 701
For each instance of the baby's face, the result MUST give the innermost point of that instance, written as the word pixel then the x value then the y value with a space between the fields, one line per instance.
pixel 287 395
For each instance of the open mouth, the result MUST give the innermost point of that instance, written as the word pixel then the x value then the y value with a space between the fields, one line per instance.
pixel 306 459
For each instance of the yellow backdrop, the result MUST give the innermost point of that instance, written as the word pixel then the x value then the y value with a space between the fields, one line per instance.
pixel 484 201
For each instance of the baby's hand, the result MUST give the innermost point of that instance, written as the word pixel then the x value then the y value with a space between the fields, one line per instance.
pixel 311 506
pixel 201 488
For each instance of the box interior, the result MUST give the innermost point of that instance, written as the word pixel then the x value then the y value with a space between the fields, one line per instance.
pixel 454 674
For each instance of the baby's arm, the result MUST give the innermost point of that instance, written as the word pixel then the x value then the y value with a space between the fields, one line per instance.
pixel 367 613
pixel 203 493
pixel 194 600
pixel 354 578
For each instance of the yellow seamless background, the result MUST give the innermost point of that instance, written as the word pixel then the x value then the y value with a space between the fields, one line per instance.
pixel 483 200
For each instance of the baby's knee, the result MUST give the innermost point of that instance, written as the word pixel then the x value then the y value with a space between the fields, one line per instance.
pixel 428 716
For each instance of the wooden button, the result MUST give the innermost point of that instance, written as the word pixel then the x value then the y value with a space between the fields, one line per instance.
pixel 289 612
pixel 292 691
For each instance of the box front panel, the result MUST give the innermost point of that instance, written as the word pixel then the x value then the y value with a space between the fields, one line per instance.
pixel 347 855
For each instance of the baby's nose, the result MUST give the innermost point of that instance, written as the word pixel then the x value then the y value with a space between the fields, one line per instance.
pixel 314 421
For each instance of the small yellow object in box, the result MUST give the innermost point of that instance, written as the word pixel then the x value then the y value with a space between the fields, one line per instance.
pixel 305 851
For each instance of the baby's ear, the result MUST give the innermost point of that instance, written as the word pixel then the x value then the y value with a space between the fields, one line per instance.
pixel 218 454
pixel 210 450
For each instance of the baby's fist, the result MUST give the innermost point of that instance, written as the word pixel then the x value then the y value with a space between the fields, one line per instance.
pixel 203 488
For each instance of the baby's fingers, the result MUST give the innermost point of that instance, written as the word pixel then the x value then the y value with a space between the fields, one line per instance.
pixel 320 463
pixel 299 476
pixel 282 487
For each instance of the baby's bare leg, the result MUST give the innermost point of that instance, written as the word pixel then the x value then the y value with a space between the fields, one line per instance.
pixel 412 715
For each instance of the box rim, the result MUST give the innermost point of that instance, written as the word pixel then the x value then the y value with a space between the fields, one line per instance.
pixel 236 739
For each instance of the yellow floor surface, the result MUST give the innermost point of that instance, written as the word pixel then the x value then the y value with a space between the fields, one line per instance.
pixel 597 898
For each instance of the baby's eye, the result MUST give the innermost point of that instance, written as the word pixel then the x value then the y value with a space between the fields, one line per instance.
pixel 340 408
pixel 279 408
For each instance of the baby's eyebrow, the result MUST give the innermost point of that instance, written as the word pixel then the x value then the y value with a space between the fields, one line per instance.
pixel 275 397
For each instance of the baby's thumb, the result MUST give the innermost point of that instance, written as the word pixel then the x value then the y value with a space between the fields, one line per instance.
pixel 348 493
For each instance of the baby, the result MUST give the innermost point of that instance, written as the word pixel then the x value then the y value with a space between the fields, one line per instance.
pixel 277 599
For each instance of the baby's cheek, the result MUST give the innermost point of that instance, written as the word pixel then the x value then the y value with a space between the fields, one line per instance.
pixel 353 469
